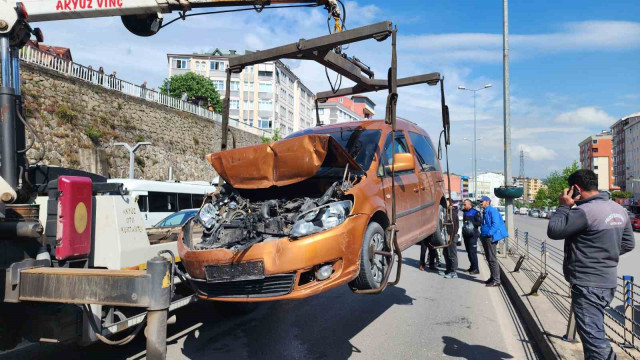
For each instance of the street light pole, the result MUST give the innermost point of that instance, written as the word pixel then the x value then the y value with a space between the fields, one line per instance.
pixel 475 164
pixel 132 151
pixel 507 121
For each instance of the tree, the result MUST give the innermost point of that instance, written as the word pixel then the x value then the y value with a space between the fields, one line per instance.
pixel 556 183
pixel 621 194
pixel 542 199
pixel 275 137
pixel 195 86
pixel 501 202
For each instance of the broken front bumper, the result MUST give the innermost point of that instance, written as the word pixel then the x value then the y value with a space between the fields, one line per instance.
pixel 289 265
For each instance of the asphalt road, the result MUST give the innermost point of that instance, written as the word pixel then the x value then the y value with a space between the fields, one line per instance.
pixel 629 263
pixel 425 317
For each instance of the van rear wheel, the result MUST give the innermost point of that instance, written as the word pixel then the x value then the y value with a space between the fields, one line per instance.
pixel 372 266
pixel 441 236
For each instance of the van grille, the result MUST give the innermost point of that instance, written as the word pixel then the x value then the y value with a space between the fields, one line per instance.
pixel 270 286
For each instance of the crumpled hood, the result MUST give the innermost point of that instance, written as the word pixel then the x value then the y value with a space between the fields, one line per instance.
pixel 280 163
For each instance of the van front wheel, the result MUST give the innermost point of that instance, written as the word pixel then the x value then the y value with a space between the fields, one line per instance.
pixel 372 266
pixel 441 236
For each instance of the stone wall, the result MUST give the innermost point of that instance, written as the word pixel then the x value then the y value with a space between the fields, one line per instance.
pixel 79 123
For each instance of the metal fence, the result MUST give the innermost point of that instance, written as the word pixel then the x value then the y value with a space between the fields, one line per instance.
pixel 541 262
pixel 38 57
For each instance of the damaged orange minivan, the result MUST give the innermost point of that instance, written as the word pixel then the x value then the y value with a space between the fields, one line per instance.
pixel 305 214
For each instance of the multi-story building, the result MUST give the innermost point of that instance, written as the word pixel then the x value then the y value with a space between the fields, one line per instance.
pixel 596 153
pixel 619 149
pixel 359 104
pixel 465 186
pixel 334 112
pixel 493 179
pixel 530 187
pixel 344 109
pixel 268 96
pixel 632 155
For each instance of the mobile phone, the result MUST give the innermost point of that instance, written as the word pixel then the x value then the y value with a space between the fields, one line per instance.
pixel 575 193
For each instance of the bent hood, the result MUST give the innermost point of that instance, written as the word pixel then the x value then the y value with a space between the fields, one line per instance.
pixel 280 163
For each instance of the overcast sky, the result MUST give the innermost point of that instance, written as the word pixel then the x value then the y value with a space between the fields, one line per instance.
pixel 575 65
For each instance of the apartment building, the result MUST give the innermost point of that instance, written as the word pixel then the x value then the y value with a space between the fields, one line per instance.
pixel 619 149
pixel 632 154
pixel 344 109
pixel 530 187
pixel 596 154
pixel 268 96
pixel 486 183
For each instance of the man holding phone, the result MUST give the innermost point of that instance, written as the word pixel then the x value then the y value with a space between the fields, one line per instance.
pixel 596 232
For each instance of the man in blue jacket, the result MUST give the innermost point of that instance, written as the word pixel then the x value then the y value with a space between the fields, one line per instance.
pixel 492 231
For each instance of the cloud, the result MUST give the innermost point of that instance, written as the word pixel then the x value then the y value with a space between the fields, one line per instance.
pixel 487 47
pixel 537 152
pixel 588 115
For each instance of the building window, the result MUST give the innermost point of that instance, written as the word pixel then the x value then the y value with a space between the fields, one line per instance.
pixel 217 65
pixel 180 64
pixel 248 86
pixel 235 85
pixel 290 99
pixel 595 141
pixel 218 84
pixel 234 104
pixel 265 105
pixel 265 73
pixel 248 104
pixel 341 100
pixel 264 123
pixel 595 150
pixel 290 117
pixel 266 87
pixel 595 167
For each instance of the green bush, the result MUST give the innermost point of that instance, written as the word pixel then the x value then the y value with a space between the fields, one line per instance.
pixel 139 138
pixel 65 114
pixel 196 141
pixel 93 134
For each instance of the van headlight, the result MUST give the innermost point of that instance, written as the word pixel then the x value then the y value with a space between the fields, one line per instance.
pixel 207 215
pixel 321 218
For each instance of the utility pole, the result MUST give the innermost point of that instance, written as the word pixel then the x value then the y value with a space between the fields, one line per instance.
pixel 475 137
pixel 521 164
pixel 507 121
pixel 132 151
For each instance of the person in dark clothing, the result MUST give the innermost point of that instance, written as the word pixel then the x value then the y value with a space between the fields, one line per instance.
pixel 433 260
pixel 451 251
pixel 596 231
pixel 471 221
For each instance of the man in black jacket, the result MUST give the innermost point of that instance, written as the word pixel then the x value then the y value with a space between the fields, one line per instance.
pixel 451 251
pixel 596 232
pixel 471 221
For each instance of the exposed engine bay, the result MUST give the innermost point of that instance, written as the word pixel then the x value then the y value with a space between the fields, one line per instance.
pixel 236 219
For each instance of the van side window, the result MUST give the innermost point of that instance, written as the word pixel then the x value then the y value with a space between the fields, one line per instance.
pixel 424 151
pixel 163 202
pixel 400 145
pixel 184 201
pixel 196 200
pixel 142 203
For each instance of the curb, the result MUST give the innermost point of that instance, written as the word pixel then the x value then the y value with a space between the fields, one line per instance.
pixel 543 343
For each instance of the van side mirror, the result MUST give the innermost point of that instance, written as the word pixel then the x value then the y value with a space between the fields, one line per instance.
pixel 402 162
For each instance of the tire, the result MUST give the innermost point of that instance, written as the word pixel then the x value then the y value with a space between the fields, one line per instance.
pixel 371 273
pixel 441 236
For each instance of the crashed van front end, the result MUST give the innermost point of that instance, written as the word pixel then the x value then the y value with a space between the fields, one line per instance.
pixel 283 226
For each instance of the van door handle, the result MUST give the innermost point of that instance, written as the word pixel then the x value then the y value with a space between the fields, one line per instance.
pixel 422 187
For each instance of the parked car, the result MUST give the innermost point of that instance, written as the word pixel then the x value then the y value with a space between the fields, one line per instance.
pixel 501 210
pixel 289 229
pixel 533 213
pixel 524 211
pixel 516 212
pixel 635 222
pixel 168 229
pixel 543 214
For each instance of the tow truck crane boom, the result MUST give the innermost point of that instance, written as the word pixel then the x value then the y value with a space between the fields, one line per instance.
pixel 141 17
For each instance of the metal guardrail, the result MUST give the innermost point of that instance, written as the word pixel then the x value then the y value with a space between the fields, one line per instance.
pixel 40 58
pixel 542 263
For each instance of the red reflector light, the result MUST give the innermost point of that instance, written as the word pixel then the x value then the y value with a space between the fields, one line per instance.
pixel 22 11
pixel 73 236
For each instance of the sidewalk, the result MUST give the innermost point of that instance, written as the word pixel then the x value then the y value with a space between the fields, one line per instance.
pixel 547 314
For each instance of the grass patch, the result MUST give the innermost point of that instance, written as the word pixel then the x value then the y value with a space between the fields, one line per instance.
pixel 94 134
pixel 64 113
